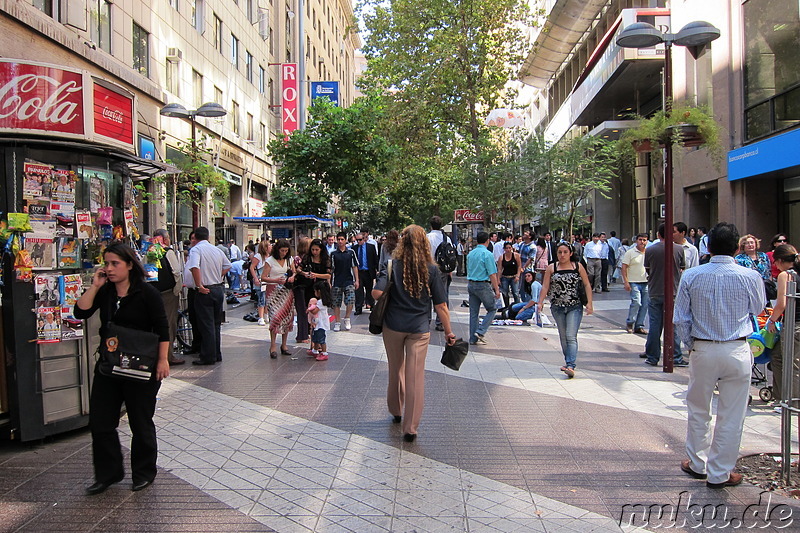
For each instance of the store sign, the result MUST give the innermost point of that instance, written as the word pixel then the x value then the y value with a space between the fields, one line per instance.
pixel 147 148
pixel 41 98
pixel 325 89
pixel 113 114
pixel 467 215
pixel 230 177
pixel 255 207
pixel 289 95
pixel 768 156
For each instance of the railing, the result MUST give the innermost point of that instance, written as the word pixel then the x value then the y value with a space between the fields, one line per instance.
pixel 788 405
pixel 773 114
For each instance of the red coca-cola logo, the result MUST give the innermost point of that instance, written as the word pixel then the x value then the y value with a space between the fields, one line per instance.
pixel 36 97
pixel 466 215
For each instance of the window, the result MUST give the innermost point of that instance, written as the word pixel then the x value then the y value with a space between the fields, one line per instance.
pixel 262 136
pixel 235 51
pixel 235 117
pixel 271 85
pixel 218 34
pixel 251 11
pixel 173 76
pixel 197 9
pixel 100 24
pixel 249 67
pixel 261 79
pixel 46 6
pixel 141 50
pixel 771 66
pixel 197 88
pixel 218 96
pixel 250 131
pixel 174 4
pixel 271 42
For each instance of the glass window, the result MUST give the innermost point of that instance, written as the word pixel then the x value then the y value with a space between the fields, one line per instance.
pixel 218 96
pixel 262 74
pixel 173 77
pixel 218 34
pixel 250 131
pixel 262 136
pixel 249 66
pixel 173 3
pixel 45 6
pixel 235 117
pixel 235 51
pixel 100 24
pixel 197 88
pixel 141 50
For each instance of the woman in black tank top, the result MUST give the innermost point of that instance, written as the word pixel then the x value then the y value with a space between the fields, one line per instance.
pixel 509 266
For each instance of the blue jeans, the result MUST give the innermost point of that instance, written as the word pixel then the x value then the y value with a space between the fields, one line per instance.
pixel 568 320
pixel 480 293
pixel 518 313
pixel 507 290
pixel 653 346
pixel 640 299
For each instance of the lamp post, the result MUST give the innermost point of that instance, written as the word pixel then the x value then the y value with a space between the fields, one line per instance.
pixel 209 109
pixel 645 35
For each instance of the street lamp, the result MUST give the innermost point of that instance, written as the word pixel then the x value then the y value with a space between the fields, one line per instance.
pixel 209 109
pixel 644 35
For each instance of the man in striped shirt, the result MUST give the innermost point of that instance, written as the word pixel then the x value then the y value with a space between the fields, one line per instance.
pixel 712 317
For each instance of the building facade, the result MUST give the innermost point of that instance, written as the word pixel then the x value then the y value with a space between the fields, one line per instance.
pixel 747 77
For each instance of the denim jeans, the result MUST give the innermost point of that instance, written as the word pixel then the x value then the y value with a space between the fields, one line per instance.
pixel 653 345
pixel 507 290
pixel 518 313
pixel 480 293
pixel 640 299
pixel 568 320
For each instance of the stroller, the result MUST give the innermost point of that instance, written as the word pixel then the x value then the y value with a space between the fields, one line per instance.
pixel 761 344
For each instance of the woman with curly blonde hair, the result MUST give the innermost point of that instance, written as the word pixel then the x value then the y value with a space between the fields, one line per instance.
pixel 416 284
pixel 750 257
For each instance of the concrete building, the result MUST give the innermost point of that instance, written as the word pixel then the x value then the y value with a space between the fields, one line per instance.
pixel 748 77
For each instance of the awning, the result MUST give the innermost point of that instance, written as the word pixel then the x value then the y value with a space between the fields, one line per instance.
pixel 140 168
pixel 294 218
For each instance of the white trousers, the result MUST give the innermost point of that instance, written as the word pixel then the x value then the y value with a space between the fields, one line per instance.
pixel 725 365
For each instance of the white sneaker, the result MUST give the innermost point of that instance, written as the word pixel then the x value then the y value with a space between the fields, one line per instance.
pixel 337 326
pixel 261 322
pixel 347 324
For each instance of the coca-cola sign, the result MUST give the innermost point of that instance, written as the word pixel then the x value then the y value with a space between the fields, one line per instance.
pixel 113 114
pixel 41 98
pixel 467 215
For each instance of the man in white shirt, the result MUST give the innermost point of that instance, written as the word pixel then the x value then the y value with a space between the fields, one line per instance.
pixel 703 245
pixel 437 237
pixel 235 251
pixel 614 244
pixel 691 256
pixel 635 278
pixel 330 243
pixel 592 252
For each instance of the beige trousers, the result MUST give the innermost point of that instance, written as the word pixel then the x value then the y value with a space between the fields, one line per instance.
pixel 406 354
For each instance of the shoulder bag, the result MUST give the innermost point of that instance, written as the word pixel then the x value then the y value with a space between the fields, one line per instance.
pixel 581 288
pixel 128 353
pixel 378 312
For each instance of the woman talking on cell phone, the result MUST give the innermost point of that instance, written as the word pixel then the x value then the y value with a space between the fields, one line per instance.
pixel 122 295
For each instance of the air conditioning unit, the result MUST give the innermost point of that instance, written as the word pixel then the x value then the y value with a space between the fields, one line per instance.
pixel 174 54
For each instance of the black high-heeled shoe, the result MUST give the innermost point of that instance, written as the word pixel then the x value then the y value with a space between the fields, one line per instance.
pixel 409 437
pixel 284 351
pixel 397 419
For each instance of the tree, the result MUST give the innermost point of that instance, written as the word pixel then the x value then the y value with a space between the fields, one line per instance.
pixel 442 64
pixel 340 153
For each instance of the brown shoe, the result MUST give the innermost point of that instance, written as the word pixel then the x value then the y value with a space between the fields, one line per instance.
pixel 733 480
pixel 629 328
pixel 686 466
pixel 641 331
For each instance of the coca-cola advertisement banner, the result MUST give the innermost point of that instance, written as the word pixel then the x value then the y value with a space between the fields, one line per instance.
pixel 41 98
pixel 467 215
pixel 113 114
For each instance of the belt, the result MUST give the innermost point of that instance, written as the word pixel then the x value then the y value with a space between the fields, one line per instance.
pixel 210 286
pixel 740 339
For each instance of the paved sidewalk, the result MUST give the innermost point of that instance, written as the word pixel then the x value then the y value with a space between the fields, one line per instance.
pixel 506 444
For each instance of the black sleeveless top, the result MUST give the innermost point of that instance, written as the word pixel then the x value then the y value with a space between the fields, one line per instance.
pixel 509 267
pixel 564 287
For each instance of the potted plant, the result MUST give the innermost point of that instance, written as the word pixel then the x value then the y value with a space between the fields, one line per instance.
pixel 683 125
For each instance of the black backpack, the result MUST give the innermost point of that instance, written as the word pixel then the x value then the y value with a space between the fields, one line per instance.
pixel 446 255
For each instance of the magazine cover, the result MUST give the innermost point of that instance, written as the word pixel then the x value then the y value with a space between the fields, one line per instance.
pixel 48 324
pixel 39 243
pixel 37 182
pixel 71 327
pixel 83 224
pixel 97 193
pixel 69 249
pixel 47 290
pixel 63 186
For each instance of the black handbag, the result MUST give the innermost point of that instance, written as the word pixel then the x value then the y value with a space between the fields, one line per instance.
pixel 454 355
pixel 581 288
pixel 129 353
pixel 771 289
pixel 378 312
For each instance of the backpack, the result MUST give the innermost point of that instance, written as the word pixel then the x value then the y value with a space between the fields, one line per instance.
pixel 446 255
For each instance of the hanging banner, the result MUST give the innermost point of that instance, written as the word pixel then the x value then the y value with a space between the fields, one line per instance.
pixel 113 113
pixel 289 96
pixel 325 89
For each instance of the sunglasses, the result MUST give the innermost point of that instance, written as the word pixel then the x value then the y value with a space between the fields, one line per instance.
pixel 781 240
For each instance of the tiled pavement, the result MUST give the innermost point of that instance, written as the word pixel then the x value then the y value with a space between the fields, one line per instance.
pixel 506 444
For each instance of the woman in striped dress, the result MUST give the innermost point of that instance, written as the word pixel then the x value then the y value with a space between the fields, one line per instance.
pixel 278 270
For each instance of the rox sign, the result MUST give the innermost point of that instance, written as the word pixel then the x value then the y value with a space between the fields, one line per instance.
pixel 40 98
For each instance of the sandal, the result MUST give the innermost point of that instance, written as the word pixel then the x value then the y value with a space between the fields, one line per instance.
pixel 284 351
pixel 570 372
pixel 273 355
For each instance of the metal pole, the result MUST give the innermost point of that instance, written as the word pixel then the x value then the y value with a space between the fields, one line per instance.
pixel 787 380
pixel 301 65
pixel 669 261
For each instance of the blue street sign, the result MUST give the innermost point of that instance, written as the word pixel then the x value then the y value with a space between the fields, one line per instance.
pixel 325 89
pixel 147 148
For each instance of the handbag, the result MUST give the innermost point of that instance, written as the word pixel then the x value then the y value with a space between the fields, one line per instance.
pixel 378 312
pixel 131 353
pixel 454 355
pixel 581 289
pixel 771 289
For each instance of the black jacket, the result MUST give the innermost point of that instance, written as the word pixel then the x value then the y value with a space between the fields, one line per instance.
pixel 372 258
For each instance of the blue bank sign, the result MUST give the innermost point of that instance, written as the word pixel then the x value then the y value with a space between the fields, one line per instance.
pixel 770 155
pixel 325 89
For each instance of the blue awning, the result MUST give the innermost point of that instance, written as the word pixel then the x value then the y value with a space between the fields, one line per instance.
pixel 293 218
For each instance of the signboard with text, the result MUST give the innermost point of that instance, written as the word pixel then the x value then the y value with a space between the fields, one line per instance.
pixel 289 97
pixel 466 216
pixel 325 89
pixel 113 114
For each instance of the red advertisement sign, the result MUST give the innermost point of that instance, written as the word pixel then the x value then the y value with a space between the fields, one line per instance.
pixel 289 95
pixel 467 215
pixel 40 98
pixel 113 114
